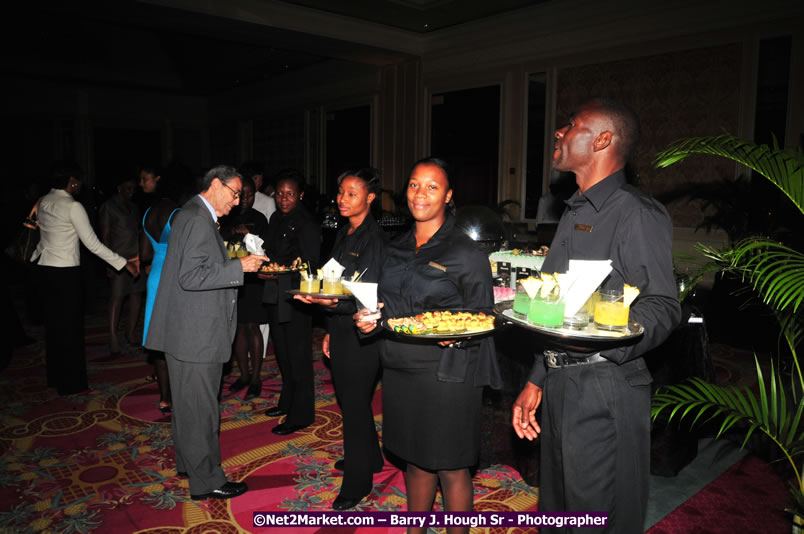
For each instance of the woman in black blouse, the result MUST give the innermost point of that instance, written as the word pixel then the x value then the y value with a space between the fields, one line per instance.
pixel 250 309
pixel 292 232
pixel 355 361
pixel 432 392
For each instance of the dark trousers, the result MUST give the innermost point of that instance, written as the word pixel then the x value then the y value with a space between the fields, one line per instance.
pixel 196 422
pixel 63 297
pixel 294 354
pixel 354 371
pixel 595 445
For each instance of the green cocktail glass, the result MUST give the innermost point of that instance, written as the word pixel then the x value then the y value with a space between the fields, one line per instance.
pixel 546 312
pixel 521 303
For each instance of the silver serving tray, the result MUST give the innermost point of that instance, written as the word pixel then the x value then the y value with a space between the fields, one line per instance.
pixel 634 330
pixel 446 337
pixel 339 296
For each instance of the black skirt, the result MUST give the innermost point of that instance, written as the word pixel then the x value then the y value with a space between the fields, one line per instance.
pixel 429 423
pixel 250 308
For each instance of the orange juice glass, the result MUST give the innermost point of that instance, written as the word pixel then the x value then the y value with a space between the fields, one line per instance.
pixel 611 313
pixel 310 285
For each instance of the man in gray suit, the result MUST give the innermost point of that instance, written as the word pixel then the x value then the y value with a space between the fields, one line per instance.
pixel 193 322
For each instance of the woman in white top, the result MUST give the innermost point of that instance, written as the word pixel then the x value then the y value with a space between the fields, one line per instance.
pixel 62 222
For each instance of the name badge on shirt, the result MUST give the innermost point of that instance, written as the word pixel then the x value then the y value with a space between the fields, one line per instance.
pixel 437 266
pixel 583 227
pixel 355 254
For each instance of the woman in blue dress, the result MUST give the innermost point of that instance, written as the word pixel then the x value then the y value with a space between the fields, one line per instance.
pixel 155 221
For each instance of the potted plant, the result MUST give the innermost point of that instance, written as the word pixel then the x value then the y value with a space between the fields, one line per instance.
pixel 775 272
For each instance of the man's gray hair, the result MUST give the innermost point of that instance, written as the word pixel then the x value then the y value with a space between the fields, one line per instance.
pixel 225 173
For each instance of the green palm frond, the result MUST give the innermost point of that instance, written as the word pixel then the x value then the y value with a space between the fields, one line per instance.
pixel 784 168
pixel 769 412
pixel 774 270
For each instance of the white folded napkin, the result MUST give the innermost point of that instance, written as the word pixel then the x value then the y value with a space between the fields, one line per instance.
pixel 583 279
pixel 332 270
pixel 365 293
pixel 253 244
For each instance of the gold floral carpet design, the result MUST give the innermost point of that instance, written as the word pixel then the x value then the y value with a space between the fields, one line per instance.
pixel 103 462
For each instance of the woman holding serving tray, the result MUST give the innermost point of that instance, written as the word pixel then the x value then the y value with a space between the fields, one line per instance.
pixel 292 233
pixel 355 361
pixel 432 390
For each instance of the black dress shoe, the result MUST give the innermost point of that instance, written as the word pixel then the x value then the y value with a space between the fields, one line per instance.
pixel 227 491
pixel 253 392
pixel 284 429
pixel 239 384
pixel 276 411
pixel 343 503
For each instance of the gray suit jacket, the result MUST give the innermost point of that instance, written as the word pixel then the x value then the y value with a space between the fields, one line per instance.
pixel 195 312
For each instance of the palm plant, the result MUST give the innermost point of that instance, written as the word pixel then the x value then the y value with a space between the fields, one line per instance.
pixel 775 272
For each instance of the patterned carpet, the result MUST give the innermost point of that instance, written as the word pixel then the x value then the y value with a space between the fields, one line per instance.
pixel 104 462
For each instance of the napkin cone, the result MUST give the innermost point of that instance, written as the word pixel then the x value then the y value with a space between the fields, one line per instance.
pixel 365 293
pixel 253 244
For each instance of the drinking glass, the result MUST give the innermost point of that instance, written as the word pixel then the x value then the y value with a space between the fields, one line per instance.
pixel 521 303
pixel 611 313
pixel 310 285
pixel 332 286
pixel 547 311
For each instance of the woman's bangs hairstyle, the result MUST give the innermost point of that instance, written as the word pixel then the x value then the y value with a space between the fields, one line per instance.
pixel 437 162
pixel 369 176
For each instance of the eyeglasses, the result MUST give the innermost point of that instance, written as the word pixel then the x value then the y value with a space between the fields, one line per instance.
pixel 235 193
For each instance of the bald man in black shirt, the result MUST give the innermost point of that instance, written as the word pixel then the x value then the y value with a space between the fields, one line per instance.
pixel 595 418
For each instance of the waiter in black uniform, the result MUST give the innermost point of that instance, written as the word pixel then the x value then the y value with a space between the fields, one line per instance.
pixel 355 360
pixel 292 233
pixel 595 419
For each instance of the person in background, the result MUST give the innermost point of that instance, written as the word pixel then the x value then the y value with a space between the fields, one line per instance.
pixel 263 203
pixel 119 227
pixel 155 222
pixel 193 322
pixel 62 223
pixel 266 205
pixel 432 392
pixel 292 233
pixel 595 404
pixel 355 360
pixel 250 309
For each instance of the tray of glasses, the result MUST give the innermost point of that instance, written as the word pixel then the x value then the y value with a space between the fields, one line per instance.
pixel 590 333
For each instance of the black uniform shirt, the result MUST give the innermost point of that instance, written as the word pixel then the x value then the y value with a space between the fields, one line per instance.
pixel 449 272
pixel 613 220
pixel 255 222
pixel 363 249
pixel 294 235
pixel 288 237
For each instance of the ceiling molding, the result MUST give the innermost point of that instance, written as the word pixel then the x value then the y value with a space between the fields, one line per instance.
pixel 286 16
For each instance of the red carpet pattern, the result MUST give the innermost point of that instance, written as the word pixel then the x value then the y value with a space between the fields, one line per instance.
pixel 103 462
pixel 748 497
